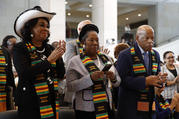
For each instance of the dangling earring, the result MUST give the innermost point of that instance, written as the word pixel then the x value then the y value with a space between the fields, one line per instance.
pixel 84 47
pixel 31 35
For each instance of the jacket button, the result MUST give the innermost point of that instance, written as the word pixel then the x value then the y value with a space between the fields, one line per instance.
pixel 48 70
pixel 24 88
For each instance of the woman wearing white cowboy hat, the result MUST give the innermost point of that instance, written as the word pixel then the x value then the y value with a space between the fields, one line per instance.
pixel 38 66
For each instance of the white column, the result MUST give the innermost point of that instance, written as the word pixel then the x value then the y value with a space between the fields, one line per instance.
pixel 57 24
pixel 104 15
pixel 167 22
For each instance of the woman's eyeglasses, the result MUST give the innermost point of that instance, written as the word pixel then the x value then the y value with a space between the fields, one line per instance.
pixel 172 57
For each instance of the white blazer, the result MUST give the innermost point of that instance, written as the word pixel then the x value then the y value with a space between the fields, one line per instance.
pixel 168 92
pixel 80 82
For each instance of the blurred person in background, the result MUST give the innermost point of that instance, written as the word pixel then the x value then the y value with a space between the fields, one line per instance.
pixel 177 58
pixel 55 44
pixel 74 47
pixel 7 84
pixel 8 42
pixel 173 75
pixel 164 109
pixel 119 47
pixel 128 38
pixel 7 45
pixel 127 28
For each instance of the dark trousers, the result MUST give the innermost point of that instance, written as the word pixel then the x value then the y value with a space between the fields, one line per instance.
pixel 140 115
pixel 89 115
pixel 28 113
pixel 146 115
pixel 84 115
pixel 176 115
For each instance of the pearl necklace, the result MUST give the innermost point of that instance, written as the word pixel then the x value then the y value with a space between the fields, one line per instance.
pixel 41 50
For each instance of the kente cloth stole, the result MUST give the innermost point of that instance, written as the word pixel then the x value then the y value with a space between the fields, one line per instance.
pixel 164 104
pixel 145 98
pixel 80 46
pixel 3 77
pixel 99 89
pixel 41 87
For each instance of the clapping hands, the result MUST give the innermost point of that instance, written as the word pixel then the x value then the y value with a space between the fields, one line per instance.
pixel 100 74
pixel 57 52
pixel 97 75
pixel 156 80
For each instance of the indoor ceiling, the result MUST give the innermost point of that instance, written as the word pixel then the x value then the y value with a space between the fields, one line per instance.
pixel 78 10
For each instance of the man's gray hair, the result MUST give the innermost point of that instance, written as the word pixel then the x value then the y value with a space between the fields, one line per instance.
pixel 141 31
pixel 81 24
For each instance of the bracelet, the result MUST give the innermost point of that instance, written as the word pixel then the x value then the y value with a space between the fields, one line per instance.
pixel 114 81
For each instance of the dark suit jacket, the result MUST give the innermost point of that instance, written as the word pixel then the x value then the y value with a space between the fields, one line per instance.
pixel 130 84
pixel 10 76
pixel 26 97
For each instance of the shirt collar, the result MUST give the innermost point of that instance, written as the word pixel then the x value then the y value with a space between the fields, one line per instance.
pixel 141 50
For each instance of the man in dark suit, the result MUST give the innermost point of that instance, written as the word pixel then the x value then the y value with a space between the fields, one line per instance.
pixel 139 69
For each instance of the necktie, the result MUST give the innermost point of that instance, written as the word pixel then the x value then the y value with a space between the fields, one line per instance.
pixel 146 60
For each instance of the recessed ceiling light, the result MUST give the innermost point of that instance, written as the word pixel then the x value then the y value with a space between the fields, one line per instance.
pixel 87 15
pixel 66 2
pixel 68 13
pixel 139 15
pixel 127 18
pixel 90 5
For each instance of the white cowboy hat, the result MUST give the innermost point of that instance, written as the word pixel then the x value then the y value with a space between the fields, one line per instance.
pixel 28 15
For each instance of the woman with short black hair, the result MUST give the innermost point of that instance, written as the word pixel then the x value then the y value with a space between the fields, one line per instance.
pixel 91 82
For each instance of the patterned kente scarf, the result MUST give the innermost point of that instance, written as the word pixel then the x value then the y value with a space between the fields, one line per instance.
pixel 3 77
pixel 99 89
pixel 145 99
pixel 164 104
pixel 41 86
pixel 80 46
